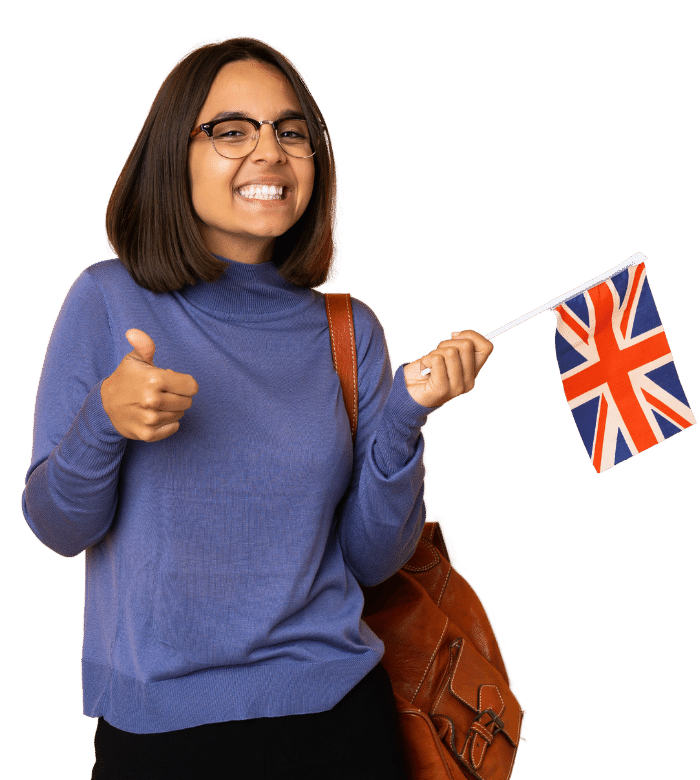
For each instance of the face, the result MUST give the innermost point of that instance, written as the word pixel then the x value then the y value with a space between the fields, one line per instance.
pixel 232 225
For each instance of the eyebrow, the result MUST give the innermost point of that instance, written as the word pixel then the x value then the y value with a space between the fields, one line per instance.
pixel 288 114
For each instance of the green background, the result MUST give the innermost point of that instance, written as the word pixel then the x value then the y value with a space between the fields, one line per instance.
pixel 555 139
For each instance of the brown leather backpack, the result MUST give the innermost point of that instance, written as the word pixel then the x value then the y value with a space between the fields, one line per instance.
pixel 457 715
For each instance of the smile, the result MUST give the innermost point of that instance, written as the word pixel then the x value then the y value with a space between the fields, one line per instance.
pixel 262 192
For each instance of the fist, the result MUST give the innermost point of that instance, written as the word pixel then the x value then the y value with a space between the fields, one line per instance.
pixel 144 402
pixel 454 366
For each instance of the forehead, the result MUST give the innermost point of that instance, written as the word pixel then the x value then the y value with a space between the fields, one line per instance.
pixel 252 86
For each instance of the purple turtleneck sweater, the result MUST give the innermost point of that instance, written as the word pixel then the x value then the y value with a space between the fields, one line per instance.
pixel 223 562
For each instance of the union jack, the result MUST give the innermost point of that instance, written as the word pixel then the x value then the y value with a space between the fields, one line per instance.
pixel 617 369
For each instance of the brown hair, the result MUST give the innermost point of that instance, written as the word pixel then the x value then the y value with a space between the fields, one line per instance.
pixel 150 219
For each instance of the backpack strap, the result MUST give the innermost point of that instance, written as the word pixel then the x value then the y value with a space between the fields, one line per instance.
pixel 342 333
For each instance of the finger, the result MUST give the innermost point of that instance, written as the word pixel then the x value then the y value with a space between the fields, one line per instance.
pixel 164 380
pixel 144 347
pixel 179 384
pixel 152 425
pixel 482 347
pixel 465 350
pixel 151 434
pixel 454 368
pixel 481 342
pixel 166 402
pixel 438 379
pixel 461 366
pixel 153 418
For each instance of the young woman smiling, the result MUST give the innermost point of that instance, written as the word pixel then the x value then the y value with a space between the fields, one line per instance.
pixel 226 517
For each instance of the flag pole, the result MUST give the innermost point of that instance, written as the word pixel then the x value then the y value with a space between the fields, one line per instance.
pixel 633 260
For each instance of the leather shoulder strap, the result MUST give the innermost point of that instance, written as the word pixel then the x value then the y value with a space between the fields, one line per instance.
pixel 342 332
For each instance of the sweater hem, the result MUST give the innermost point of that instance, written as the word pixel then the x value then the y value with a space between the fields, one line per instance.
pixel 220 695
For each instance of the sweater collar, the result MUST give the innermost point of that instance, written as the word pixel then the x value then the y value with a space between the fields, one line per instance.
pixel 250 290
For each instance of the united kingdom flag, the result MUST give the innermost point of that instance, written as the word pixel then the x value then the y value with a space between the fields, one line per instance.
pixel 618 371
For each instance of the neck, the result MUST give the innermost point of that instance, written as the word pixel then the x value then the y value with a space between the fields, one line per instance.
pixel 251 250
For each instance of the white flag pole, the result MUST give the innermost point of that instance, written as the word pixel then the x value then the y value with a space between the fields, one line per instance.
pixel 633 260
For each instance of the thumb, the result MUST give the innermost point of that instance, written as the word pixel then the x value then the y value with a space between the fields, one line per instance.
pixel 143 345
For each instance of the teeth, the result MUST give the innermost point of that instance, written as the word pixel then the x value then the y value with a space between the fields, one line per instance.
pixel 262 191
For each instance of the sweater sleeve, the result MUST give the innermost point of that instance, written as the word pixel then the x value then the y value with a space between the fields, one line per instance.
pixel 70 493
pixel 382 513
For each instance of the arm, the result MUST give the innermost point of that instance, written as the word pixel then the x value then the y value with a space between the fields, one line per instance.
pixel 382 513
pixel 71 486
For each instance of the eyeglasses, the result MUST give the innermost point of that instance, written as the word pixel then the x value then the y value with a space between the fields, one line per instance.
pixel 234 138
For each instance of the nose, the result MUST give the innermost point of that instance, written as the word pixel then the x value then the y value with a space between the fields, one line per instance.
pixel 268 147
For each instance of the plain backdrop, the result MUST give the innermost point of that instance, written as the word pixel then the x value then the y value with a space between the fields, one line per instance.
pixel 490 157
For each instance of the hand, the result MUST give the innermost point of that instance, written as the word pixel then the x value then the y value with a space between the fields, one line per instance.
pixel 454 366
pixel 142 401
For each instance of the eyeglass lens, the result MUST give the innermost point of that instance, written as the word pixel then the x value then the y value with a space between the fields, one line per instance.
pixel 238 137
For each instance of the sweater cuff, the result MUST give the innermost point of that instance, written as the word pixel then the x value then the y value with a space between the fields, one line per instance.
pixel 92 442
pixel 396 440
pixel 94 424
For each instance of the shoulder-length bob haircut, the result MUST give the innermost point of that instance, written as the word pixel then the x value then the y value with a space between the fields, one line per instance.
pixel 150 219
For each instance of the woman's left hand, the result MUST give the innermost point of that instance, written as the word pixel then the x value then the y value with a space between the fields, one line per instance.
pixel 454 366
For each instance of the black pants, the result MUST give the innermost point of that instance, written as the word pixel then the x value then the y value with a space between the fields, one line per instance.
pixel 356 740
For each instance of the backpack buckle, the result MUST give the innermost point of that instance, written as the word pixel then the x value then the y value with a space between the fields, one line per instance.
pixel 500 725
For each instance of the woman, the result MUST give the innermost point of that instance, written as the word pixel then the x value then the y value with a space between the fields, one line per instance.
pixel 226 519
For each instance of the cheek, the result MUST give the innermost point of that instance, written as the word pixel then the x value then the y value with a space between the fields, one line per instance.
pixel 307 177
pixel 210 181
pixel 212 174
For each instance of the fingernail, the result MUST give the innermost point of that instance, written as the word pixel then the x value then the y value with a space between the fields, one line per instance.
pixel 456 333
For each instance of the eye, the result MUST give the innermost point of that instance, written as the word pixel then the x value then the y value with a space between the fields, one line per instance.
pixel 293 130
pixel 291 135
pixel 234 131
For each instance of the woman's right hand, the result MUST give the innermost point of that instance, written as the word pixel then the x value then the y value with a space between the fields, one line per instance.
pixel 142 401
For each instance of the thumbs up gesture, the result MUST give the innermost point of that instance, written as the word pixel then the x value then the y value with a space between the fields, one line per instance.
pixel 142 401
